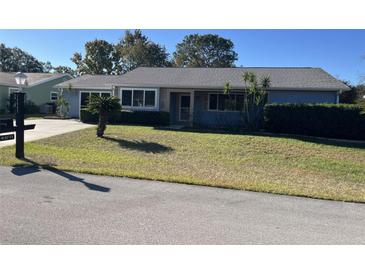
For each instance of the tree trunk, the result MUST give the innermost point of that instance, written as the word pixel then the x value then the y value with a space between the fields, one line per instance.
pixel 103 119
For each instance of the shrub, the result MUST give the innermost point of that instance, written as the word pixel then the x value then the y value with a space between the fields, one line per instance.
pixel 151 118
pixel 324 120
pixel 88 117
pixel 31 108
pixel 62 106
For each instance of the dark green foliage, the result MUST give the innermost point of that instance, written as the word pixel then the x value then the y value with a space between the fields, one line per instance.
pixel 15 59
pixel 103 107
pixel 98 58
pixel 324 120
pixel 65 69
pixel 133 50
pixel 88 117
pixel 349 96
pixel 254 100
pixel 10 104
pixel 210 51
pixel 31 108
pixel 137 50
pixel 152 118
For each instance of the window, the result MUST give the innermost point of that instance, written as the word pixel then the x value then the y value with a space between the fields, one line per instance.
pixel 225 102
pixel 54 95
pixel 84 96
pixel 127 98
pixel 139 98
pixel 213 101
pixel 149 100
pixel 12 90
pixel 240 99
pixel 105 94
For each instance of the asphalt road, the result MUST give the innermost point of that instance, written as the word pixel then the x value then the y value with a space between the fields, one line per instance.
pixel 44 207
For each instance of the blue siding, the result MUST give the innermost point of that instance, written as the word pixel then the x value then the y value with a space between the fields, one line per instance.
pixel 72 96
pixel 313 97
pixel 203 117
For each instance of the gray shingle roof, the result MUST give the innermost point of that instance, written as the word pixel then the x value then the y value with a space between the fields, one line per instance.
pixel 281 78
pixel 7 78
pixel 91 81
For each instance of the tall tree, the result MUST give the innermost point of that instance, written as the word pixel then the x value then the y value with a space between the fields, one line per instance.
pixel 98 58
pixel 64 69
pixel 135 50
pixel 204 51
pixel 15 59
pixel 349 96
pixel 47 67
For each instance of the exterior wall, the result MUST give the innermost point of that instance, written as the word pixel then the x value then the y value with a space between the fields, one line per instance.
pixel 205 117
pixel 40 94
pixel 169 101
pixel 73 98
pixel 294 96
pixel 165 100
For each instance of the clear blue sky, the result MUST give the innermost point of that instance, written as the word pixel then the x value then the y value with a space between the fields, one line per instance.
pixel 337 51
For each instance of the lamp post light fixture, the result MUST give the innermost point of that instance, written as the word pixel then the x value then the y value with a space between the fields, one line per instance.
pixel 20 79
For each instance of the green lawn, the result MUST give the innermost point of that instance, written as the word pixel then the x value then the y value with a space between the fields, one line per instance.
pixel 329 170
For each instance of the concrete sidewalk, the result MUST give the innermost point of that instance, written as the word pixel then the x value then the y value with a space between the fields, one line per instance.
pixel 46 128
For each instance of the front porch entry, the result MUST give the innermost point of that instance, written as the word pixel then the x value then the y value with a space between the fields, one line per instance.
pixel 182 107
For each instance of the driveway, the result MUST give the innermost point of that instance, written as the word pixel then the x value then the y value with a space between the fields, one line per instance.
pixel 56 207
pixel 46 128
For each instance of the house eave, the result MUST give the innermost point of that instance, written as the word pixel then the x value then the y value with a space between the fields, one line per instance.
pixel 83 87
pixel 233 87
pixel 195 87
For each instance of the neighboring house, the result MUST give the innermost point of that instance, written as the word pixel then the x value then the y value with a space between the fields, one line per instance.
pixel 39 88
pixel 195 95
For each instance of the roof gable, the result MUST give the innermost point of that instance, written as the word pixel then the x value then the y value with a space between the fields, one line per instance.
pixel 7 78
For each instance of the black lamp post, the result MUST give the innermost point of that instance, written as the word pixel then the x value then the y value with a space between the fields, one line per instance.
pixel 20 79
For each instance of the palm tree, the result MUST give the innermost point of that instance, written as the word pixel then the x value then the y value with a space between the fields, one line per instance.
pixel 254 100
pixel 103 106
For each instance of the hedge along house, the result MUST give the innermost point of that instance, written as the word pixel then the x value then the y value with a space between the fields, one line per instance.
pixel 195 95
pixel 39 88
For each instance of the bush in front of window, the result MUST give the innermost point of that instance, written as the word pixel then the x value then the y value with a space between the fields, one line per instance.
pixel 148 118
pixel 324 120
pixel 31 108
pixel 254 100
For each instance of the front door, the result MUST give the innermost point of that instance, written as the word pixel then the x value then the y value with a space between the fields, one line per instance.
pixel 184 111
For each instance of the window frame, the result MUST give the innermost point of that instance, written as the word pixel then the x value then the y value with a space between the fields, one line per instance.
pixel 50 96
pixel 219 93
pixel 12 89
pixel 144 107
pixel 94 91
pixel 121 98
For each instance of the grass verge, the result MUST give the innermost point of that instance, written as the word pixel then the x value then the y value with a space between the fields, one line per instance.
pixel 302 167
